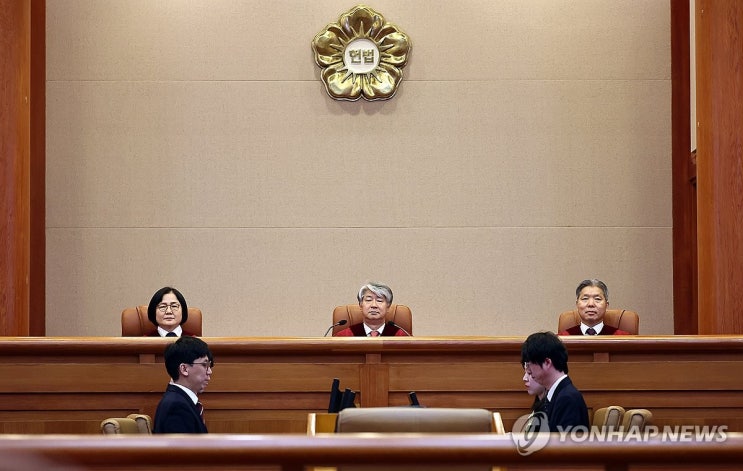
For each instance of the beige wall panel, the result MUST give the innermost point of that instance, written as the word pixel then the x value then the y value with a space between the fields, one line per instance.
pixel 258 40
pixel 513 153
pixel 191 143
pixel 285 282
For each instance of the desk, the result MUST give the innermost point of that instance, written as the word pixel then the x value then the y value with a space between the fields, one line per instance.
pixel 293 452
pixel 269 385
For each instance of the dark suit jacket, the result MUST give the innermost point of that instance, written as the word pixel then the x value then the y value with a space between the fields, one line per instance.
pixel 607 330
pixel 176 413
pixel 567 407
pixel 357 330
pixel 538 408
pixel 539 405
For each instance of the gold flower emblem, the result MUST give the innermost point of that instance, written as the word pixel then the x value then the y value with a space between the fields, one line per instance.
pixel 361 55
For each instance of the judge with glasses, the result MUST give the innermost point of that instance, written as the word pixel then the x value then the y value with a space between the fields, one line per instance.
pixel 168 311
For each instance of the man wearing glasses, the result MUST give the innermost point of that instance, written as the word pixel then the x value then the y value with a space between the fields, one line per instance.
pixel 168 310
pixel 189 363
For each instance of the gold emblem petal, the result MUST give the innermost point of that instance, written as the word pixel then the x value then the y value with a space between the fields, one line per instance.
pixel 341 84
pixel 361 55
pixel 360 20
pixel 382 85
pixel 395 48
pixel 328 45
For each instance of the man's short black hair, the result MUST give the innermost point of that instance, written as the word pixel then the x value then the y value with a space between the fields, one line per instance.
pixel 185 350
pixel 542 345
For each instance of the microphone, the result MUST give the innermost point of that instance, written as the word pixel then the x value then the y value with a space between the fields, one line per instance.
pixel 347 399
pixel 335 397
pixel 340 322
pixel 392 324
pixel 414 399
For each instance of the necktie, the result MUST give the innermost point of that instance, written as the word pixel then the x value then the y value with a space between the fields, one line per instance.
pixel 171 334
pixel 374 333
pixel 201 411
pixel 591 331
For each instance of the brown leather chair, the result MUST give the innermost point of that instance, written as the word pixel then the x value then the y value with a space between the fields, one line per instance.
pixel 622 319
pixel 144 422
pixel 608 417
pixel 397 313
pixel 635 419
pixel 134 322
pixel 133 424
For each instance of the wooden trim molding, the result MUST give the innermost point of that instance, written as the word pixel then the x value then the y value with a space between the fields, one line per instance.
pixel 37 172
pixel 683 189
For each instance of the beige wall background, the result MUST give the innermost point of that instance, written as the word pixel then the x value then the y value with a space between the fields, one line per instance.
pixel 192 144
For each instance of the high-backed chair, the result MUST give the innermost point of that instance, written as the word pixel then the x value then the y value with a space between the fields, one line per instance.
pixel 636 419
pixel 144 422
pixel 119 425
pixel 397 313
pixel 608 417
pixel 622 319
pixel 417 420
pixel 134 322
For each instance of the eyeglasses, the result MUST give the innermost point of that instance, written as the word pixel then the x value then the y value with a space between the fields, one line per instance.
pixel 173 307
pixel 205 364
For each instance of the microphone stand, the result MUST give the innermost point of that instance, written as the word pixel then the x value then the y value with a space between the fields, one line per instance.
pixel 392 324
pixel 340 322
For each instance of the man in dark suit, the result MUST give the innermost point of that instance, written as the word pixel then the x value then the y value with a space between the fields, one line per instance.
pixel 189 363
pixel 591 300
pixel 374 299
pixel 546 360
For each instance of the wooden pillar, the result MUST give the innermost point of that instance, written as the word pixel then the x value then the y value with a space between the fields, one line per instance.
pixel 719 53
pixel 374 381
pixel 37 255
pixel 683 176
pixel 22 162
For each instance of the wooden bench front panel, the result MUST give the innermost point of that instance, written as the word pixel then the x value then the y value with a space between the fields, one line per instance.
pixel 269 385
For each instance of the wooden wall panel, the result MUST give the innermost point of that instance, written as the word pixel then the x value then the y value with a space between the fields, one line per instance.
pixel 22 167
pixel 719 162
pixel 14 166
pixel 482 148
pixel 68 385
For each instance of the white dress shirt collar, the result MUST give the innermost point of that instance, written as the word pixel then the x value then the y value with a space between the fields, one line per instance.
pixel 598 328
pixel 162 332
